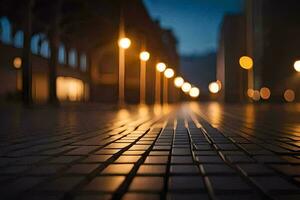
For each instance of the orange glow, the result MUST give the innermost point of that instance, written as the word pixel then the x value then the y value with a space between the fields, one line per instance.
pixel 69 89
pixel 161 67
pixel 220 84
pixel 17 62
pixel 265 93
pixel 256 95
pixel 178 81
pixel 246 62
pixel 289 95
pixel 124 43
pixel 169 73
pixel 144 56
pixel 250 92
pixel 214 87
pixel 297 66
pixel 186 87
pixel 194 92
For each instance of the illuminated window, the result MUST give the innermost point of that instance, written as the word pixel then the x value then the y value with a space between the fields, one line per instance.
pixel 83 63
pixel 19 39
pixel 72 58
pixel 61 54
pixel 5 33
pixel 45 49
pixel 70 89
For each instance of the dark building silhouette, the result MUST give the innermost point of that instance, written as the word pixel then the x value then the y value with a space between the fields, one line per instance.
pixel 232 45
pixel 83 36
pixel 273 41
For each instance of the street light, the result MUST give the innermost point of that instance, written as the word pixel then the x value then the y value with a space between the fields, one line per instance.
pixel 144 57
pixel 178 82
pixel 124 43
pixel 169 73
pixel 160 67
pixel 297 66
pixel 186 87
pixel 194 92
pixel 246 62
pixel 214 87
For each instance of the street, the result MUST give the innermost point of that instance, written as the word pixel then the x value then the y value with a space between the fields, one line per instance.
pixel 185 151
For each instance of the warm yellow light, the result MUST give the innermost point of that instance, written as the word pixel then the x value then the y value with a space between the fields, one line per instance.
pixel 186 87
pixel 246 62
pixel 68 88
pixel 256 95
pixel 250 92
pixel 265 93
pixel 17 62
pixel 161 67
pixel 220 84
pixel 144 55
pixel 297 66
pixel 178 81
pixel 289 95
pixel 124 43
pixel 214 87
pixel 169 73
pixel 194 92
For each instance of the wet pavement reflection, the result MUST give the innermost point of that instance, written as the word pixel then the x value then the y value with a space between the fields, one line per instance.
pixel 187 151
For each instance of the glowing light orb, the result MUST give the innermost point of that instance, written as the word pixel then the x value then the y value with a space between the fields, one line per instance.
pixel 289 95
pixel 186 87
pixel 265 93
pixel 194 92
pixel 178 81
pixel 246 62
pixel 144 56
pixel 297 66
pixel 124 43
pixel 169 73
pixel 17 62
pixel 161 67
pixel 214 87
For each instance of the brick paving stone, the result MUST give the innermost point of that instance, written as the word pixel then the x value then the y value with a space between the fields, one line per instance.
pixel 230 154
pixel 142 183
pixel 228 183
pixel 104 183
pixel 118 169
pixel 186 183
pixel 81 168
pixel 138 196
pixel 180 196
pixel 151 169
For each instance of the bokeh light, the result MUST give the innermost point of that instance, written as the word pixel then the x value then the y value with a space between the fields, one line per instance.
pixel 250 92
pixel 161 67
pixel 246 62
pixel 144 55
pixel 178 81
pixel 297 66
pixel 289 95
pixel 169 73
pixel 194 92
pixel 265 93
pixel 186 87
pixel 256 95
pixel 17 62
pixel 124 43
pixel 214 87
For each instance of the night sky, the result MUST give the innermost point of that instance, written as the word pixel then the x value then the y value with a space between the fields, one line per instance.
pixel 195 22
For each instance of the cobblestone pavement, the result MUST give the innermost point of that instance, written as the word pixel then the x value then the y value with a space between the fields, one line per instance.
pixel 189 151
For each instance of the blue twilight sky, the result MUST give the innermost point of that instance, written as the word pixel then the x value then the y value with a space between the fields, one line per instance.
pixel 196 23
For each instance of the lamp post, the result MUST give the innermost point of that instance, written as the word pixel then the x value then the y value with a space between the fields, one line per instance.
pixel 297 66
pixel 124 43
pixel 169 73
pixel 160 67
pixel 246 62
pixel 144 57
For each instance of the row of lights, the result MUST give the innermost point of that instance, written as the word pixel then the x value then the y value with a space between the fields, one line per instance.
pixel 264 93
pixel 179 82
